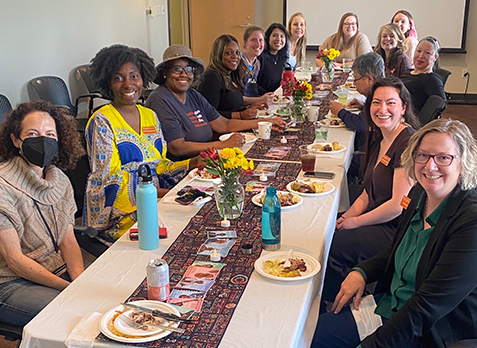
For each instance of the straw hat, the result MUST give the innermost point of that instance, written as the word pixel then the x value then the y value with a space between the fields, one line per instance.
pixel 175 52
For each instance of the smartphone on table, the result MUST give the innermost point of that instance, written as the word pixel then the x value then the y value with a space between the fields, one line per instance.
pixel 320 175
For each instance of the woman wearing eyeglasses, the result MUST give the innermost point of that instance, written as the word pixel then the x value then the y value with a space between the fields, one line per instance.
pixel 223 82
pixel 188 120
pixel 348 40
pixel 427 286
pixel 120 136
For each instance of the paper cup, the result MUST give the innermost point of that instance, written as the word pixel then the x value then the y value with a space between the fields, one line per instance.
pixel 264 130
pixel 313 113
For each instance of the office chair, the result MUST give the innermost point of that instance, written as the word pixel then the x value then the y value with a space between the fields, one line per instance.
pixel 54 90
pixel 443 74
pixel 432 109
pixel 5 107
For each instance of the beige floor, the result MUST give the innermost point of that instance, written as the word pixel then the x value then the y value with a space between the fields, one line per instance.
pixel 464 113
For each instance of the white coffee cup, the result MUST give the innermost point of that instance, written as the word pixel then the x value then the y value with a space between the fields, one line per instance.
pixel 313 111
pixel 264 130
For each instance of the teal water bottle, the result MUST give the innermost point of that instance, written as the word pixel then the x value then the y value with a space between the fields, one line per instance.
pixel 146 200
pixel 271 220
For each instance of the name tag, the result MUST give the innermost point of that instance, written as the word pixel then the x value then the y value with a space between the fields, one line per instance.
pixel 149 130
pixel 405 202
pixel 385 160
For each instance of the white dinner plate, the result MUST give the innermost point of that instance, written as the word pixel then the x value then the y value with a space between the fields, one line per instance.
pixel 314 147
pixel 281 114
pixel 265 114
pixel 256 200
pixel 195 174
pixel 354 110
pixel 249 137
pixel 122 326
pixel 328 188
pixel 107 325
pixel 326 122
pixel 312 265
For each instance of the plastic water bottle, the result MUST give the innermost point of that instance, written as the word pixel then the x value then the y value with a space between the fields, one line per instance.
pixel 146 200
pixel 271 220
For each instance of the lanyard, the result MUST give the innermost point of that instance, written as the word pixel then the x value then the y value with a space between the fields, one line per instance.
pixel 55 243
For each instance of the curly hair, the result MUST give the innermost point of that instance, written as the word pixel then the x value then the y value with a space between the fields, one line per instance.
pixel 69 143
pixel 461 136
pixel 217 53
pixel 108 60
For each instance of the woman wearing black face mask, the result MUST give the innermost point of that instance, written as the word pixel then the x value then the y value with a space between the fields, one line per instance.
pixel 36 209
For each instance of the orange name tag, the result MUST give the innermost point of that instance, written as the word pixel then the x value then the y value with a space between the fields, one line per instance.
pixel 385 160
pixel 149 130
pixel 405 202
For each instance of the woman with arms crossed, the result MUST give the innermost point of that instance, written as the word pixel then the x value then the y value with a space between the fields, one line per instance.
pixel 427 285
pixel 37 209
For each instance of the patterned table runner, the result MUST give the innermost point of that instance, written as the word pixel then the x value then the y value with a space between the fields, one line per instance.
pixel 222 299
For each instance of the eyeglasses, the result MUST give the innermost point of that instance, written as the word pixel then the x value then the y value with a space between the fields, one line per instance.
pixel 177 69
pixel 440 160
pixel 359 78
pixel 350 24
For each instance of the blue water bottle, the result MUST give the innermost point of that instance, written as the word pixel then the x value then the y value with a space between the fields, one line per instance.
pixel 146 200
pixel 271 220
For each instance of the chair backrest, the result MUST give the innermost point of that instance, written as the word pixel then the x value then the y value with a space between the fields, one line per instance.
pixel 432 109
pixel 5 107
pixel 52 89
pixel 443 74
pixel 82 73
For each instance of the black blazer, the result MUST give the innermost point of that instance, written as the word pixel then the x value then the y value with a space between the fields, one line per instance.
pixel 443 308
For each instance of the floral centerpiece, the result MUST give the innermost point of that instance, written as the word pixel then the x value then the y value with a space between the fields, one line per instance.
pixel 229 164
pixel 298 90
pixel 328 56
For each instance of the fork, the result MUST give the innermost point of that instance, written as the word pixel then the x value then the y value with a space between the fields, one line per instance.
pixel 135 325
pixel 287 263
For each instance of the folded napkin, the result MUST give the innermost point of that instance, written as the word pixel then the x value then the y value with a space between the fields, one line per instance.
pixel 85 332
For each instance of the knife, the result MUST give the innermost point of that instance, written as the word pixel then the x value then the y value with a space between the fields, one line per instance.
pixel 158 313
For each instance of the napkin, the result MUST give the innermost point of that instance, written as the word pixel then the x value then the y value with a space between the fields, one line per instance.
pixel 366 320
pixel 85 332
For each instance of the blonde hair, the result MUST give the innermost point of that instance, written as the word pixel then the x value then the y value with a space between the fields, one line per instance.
pixel 461 136
pixel 300 46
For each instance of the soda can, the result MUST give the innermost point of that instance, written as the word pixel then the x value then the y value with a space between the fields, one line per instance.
pixel 157 280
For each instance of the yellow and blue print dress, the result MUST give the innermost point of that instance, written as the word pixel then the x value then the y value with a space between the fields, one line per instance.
pixel 115 151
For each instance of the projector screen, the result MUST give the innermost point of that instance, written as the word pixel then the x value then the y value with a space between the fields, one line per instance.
pixel 446 20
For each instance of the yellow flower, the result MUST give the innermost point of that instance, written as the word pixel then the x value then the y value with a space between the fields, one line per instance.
pixel 238 152
pixel 227 153
pixel 244 163
pixel 251 165
pixel 233 163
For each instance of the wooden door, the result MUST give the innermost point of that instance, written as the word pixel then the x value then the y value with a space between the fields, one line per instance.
pixel 211 18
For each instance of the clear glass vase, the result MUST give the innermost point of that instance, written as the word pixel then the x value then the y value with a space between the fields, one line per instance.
pixel 229 197
pixel 327 73
pixel 297 110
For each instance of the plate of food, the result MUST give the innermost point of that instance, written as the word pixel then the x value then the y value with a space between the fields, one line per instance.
pixel 249 137
pixel 113 327
pixel 332 123
pixel 283 112
pixel 310 188
pixel 281 100
pixel 302 266
pixel 264 114
pixel 203 174
pixel 288 200
pixel 333 147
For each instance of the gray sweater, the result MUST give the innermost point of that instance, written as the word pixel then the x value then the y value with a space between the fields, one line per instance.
pixel 19 185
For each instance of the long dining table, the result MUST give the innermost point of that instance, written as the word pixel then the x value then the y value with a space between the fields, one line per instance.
pixel 270 313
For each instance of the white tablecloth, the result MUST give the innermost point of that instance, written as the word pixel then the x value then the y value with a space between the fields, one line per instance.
pixel 270 313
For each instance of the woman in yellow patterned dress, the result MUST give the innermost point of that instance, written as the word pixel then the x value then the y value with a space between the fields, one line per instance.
pixel 120 136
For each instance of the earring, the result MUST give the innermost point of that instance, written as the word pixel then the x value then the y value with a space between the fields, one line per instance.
pixel 165 76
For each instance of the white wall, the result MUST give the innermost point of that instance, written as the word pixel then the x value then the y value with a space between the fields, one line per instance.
pixel 52 37
pixel 272 11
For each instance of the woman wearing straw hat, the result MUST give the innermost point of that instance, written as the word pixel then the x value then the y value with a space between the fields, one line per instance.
pixel 187 118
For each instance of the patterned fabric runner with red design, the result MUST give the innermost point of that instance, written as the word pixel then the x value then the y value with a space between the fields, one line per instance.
pixel 223 297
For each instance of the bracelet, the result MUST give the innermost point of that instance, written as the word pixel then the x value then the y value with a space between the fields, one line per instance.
pixel 240 113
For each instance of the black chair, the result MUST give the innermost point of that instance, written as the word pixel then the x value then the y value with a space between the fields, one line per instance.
pixel 443 74
pixel 85 236
pixel 5 107
pixel 432 109
pixel 54 90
